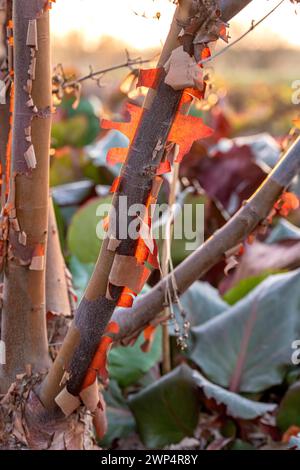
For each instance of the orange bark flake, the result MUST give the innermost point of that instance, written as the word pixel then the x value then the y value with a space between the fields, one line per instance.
pixel 149 78
pixel 287 202
pixel 116 184
pixel 126 298
pixel 98 365
pixel 205 54
pixel 127 128
pixel 116 155
pixel 105 223
pixel 39 250
pixel 149 333
pixel 9 141
pixel 164 167
pixel 185 130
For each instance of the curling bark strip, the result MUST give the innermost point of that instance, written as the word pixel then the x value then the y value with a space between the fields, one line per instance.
pixel 138 181
pixel 23 315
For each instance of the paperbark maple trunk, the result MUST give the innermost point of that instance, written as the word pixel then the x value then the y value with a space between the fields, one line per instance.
pixel 95 309
pixel 23 315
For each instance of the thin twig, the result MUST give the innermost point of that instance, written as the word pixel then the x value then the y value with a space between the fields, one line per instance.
pixel 252 27
pixel 128 64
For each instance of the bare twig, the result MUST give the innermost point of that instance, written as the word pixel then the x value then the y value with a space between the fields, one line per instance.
pixel 92 75
pixel 249 30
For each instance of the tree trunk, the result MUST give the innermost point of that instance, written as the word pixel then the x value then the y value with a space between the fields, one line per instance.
pixel 23 315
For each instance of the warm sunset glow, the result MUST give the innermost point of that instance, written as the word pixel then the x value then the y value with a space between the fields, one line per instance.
pixel 118 18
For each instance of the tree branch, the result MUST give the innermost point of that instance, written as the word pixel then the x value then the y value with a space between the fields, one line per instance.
pixel 147 307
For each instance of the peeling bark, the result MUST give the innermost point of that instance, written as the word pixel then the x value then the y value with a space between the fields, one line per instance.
pixel 23 314
pixel 136 182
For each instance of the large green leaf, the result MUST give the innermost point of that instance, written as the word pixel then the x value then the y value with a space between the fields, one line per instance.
pixel 201 302
pixel 235 405
pixel 248 347
pixel 168 410
pixel 82 237
pixel 120 420
pixel 128 364
pixel 289 410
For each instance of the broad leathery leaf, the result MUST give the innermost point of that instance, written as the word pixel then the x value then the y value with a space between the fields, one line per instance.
pixel 128 364
pixel 168 410
pixel 201 302
pixel 248 347
pixel 82 237
pixel 289 409
pixel 235 405
pixel 121 422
